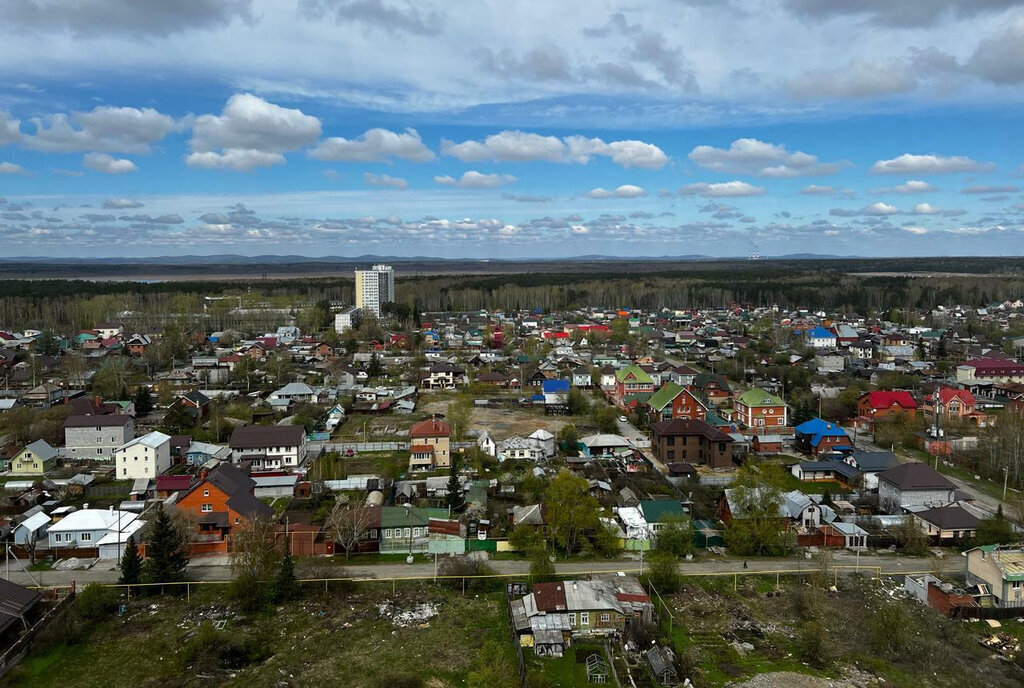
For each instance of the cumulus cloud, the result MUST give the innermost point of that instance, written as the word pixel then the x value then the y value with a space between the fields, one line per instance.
pixel 121 204
pixel 999 57
pixel 250 132
pixel 624 191
pixel 10 128
pixel 929 209
pixel 751 156
pixel 472 179
pixel 915 230
pixel 911 186
pixel 108 164
pixel 102 130
pixel 133 17
pixel 11 168
pixel 391 17
pixel 878 209
pixel 721 189
pixel 385 181
pixel 520 146
pixel 901 14
pixel 376 145
pixel 909 163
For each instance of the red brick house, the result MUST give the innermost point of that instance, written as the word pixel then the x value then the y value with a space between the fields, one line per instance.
pixel 872 406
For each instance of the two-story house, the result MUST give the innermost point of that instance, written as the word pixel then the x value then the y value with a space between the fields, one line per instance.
pixel 757 409
pixel 632 380
pixel 143 457
pixel 675 401
pixel 269 447
pixel 96 437
pixel 693 441
pixel 34 459
pixel 221 500
pixel 444 376
pixel 430 445
pixel 879 404
pixel 998 571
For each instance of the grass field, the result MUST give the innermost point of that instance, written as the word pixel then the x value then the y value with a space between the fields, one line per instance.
pixel 345 641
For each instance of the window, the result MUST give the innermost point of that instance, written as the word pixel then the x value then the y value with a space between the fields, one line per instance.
pixel 56 537
pixel 670 441
pixel 605 618
pixel 206 493
pixel 86 537
pixel 387 533
pixel 206 508
pixel 406 532
pixel 1015 585
pixel 415 532
pixel 584 618
pixel 670 455
pixel 572 618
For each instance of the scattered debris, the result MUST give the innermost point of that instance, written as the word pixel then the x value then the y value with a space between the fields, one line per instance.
pixel 418 615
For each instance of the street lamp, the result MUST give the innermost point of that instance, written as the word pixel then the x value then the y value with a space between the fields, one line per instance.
pixel 1006 477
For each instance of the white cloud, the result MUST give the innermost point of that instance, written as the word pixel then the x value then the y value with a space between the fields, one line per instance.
pixel 909 163
pixel 375 145
pixel 751 156
pixel 396 17
pixel 102 130
pixel 915 230
pixel 239 159
pixel 121 204
pixel 817 190
pixel 879 209
pixel 911 186
pixel 926 209
pixel 520 146
pixel 734 188
pixel 579 229
pixel 901 14
pixel 10 129
pixel 385 181
pixel 624 191
pixel 472 179
pixel 11 168
pixel 102 162
pixel 249 133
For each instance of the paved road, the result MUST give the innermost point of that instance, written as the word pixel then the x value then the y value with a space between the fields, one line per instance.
pixel 218 570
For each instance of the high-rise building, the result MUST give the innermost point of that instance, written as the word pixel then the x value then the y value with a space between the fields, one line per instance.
pixel 374 288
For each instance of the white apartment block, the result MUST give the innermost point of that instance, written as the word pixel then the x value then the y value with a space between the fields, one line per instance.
pixel 144 457
pixel 374 288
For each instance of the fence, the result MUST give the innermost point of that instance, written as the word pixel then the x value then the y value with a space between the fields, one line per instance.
pixel 15 653
pixel 367 446
pixel 107 491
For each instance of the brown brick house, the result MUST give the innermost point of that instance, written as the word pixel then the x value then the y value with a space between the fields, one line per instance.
pixel 693 441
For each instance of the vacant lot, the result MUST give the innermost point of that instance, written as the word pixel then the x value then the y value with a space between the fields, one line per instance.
pixel 366 639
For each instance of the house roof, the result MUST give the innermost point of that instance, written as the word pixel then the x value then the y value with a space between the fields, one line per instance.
pixel 820 332
pixel 633 373
pixel 874 462
pixel 949 517
pixel 173 483
pixel 550 597
pixel 664 396
pixel 759 397
pixel 883 399
pixel 41 449
pixel 259 436
pixel 683 427
pixel 948 394
pixel 916 476
pixel 432 427
pixel 656 510
pixel 153 440
pixel 555 386
pixel 105 421
pixel 15 601
pixel 238 487
pixel 93 519
pixel 817 429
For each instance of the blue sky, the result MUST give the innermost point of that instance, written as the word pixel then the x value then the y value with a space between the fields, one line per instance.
pixel 484 129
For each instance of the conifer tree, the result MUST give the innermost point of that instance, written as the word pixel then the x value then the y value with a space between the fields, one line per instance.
pixel 131 563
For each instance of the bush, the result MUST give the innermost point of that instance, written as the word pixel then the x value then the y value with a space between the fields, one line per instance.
pixel 664 573
pixel 96 602
pixel 467 567
pixel 812 644
pixel 213 649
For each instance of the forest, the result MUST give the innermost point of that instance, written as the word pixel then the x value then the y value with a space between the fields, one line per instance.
pixel 853 286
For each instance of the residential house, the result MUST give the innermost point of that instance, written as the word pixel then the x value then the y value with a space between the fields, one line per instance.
pixel 951 402
pixel 200 453
pixel 913 485
pixel 295 392
pixel 758 409
pixel 96 437
pixel 221 500
pixel 693 441
pixel 820 338
pixel 870 464
pixel 879 404
pixel 32 529
pixel 444 376
pixel 105 529
pixel 989 370
pixel 137 344
pixel 269 447
pixel 632 380
pixel 817 436
pixel 430 445
pixel 998 571
pixel 33 459
pixel 405 529
pixel 950 524
pixel 674 401
pixel 520 448
pixel 830 471
pixel 143 457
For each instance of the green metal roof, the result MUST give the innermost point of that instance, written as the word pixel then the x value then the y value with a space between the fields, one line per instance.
pixel 759 397
pixel 656 510
pixel 664 396
pixel 636 371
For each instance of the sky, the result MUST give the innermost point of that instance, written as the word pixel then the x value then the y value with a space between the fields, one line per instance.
pixel 497 129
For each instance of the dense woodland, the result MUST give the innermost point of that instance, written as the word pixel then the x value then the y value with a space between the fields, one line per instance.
pixel 63 305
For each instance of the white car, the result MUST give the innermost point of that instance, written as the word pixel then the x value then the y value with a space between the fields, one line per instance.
pixel 623 419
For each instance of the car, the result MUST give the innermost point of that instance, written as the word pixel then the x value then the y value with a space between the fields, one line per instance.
pixel 623 419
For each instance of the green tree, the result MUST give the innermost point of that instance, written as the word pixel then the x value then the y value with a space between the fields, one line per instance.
pixel 143 400
pixel 910 538
pixel 569 439
pixel 676 535
pixel 167 551
pixel 131 564
pixel 111 380
pixel 664 572
pixel 254 560
pixel 996 530
pixel 285 585
pixel 542 569
pixel 525 538
pixel 453 498
pixel 178 419
pixel 757 527
pixel 578 402
pixel 460 412
pixel 605 418
pixel 375 369
pixel 571 511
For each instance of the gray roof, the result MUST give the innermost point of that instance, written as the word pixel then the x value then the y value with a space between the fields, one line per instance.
pixel 41 449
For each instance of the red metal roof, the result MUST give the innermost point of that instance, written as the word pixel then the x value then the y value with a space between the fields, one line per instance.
pixel 884 400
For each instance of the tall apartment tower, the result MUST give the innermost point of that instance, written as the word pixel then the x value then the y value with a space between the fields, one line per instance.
pixel 374 288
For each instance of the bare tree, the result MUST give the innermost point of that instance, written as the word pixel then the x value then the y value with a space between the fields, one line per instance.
pixel 348 523
pixel 254 552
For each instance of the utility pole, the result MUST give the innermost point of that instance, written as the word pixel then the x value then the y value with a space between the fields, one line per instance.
pixel 1006 477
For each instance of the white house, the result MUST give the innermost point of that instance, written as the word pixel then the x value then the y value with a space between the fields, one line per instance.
pixel 546 441
pixel 88 527
pixel 144 457
pixel 295 391
pixel 31 529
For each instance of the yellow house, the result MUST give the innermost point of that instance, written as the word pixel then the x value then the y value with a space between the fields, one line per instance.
pixel 1000 570
pixel 34 459
pixel 430 442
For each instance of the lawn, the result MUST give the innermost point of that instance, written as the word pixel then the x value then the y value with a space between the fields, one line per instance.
pixel 566 671
pixel 337 640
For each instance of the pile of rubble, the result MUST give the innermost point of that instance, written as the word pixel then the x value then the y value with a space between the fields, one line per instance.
pixel 417 615
pixel 1005 645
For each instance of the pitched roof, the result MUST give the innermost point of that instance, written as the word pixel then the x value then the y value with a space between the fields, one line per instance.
pixel 432 427
pixel 259 436
pixel 41 449
pixel 949 517
pixel 916 476
pixel 664 396
pixel 682 427
pixel 106 421
pixel 15 600
pixel 881 399
pixel 550 597
pixel 633 373
pixel 948 394
pixel 238 487
pixel 759 397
